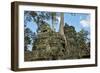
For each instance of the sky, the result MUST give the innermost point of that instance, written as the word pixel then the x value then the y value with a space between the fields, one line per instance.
pixel 78 20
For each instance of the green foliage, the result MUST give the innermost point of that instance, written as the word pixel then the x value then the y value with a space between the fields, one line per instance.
pixel 28 37
pixel 44 28
pixel 83 43
pixel 28 55
pixel 77 42
pixel 38 17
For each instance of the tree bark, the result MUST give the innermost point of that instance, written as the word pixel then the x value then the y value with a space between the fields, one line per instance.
pixel 52 21
pixel 61 28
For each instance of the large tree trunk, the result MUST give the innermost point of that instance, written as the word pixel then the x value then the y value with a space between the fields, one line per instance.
pixel 61 28
pixel 52 21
